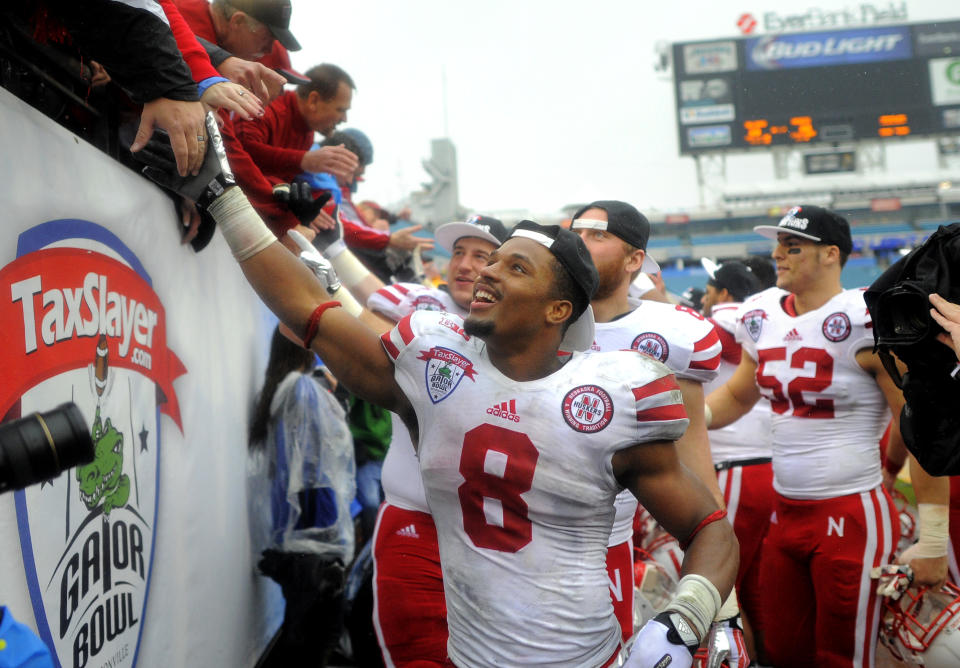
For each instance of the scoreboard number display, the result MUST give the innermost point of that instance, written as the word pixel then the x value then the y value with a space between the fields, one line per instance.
pixel 882 82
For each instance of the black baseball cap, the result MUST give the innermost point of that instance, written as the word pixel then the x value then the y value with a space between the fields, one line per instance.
pixel 734 277
pixel 275 14
pixel 623 221
pixel 483 227
pixel 574 257
pixel 814 223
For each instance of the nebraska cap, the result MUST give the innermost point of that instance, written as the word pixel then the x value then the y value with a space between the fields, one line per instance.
pixel 482 227
pixel 275 14
pixel 623 221
pixel 574 257
pixel 814 223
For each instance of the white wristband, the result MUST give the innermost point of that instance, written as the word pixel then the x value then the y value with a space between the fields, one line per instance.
pixel 347 301
pixel 934 521
pixel 698 600
pixel 240 225
pixel 350 270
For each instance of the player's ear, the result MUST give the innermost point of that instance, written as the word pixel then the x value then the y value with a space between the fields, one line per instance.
pixel 559 310
pixel 830 255
pixel 634 260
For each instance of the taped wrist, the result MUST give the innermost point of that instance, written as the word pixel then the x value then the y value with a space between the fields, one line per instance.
pixel 934 520
pixel 350 270
pixel 698 601
pixel 729 609
pixel 347 301
pixel 707 415
pixel 240 225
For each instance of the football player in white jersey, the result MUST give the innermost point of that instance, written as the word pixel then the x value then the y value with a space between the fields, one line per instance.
pixel 808 350
pixel 409 612
pixel 616 235
pixel 741 451
pixel 523 510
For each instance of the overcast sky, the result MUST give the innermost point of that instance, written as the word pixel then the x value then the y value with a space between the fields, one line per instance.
pixel 547 101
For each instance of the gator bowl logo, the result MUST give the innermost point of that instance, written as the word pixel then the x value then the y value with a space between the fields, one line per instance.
pixel 444 370
pixel 753 321
pixel 82 323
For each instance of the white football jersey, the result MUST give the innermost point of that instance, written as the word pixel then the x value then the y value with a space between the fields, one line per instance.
pixel 400 477
pixel 676 336
pixel 524 507
pixel 828 413
pixel 749 437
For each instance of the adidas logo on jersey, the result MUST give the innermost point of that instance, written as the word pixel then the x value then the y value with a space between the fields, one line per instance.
pixel 506 410
pixel 793 335
pixel 410 531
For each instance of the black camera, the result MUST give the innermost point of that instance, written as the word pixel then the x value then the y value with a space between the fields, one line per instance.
pixel 41 446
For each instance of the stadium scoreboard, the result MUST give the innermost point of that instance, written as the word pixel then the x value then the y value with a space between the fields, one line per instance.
pixel 813 88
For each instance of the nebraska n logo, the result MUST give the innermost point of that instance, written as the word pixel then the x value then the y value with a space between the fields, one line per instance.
pixel 82 323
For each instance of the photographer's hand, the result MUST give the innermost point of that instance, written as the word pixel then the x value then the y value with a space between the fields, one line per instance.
pixel 947 315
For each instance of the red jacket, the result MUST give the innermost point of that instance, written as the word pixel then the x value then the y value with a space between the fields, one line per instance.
pixel 197 15
pixel 278 140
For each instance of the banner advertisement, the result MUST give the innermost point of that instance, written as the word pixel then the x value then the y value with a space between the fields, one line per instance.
pixel 828 48
pixel 131 559
pixel 945 81
pixel 710 57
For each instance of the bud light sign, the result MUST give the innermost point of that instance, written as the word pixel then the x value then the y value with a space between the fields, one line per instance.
pixel 828 48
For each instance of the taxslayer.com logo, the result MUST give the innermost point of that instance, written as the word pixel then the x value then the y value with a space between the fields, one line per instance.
pixel 82 323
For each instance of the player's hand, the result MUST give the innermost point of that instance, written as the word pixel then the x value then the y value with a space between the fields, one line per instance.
pixel 889 480
pixel 336 160
pixel 258 79
pixel 319 265
pixel 214 175
pixel 404 240
pixel 185 124
pixel 655 642
pixel 236 98
pixel 927 572
pixel 726 646
pixel 892 579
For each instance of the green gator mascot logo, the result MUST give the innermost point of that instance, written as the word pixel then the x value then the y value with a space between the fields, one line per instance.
pixel 103 481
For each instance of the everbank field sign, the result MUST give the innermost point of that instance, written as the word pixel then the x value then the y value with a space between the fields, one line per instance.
pixel 851 16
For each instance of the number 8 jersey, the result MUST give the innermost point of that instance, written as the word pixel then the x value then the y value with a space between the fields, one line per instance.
pixel 828 412
pixel 522 495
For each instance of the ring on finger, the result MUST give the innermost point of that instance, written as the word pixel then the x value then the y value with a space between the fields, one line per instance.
pixel 201 138
pixel 242 93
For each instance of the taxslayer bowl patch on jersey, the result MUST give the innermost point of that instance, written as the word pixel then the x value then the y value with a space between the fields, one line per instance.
pixel 652 344
pixel 836 327
pixel 82 323
pixel 587 408
pixel 427 303
pixel 444 370
pixel 753 321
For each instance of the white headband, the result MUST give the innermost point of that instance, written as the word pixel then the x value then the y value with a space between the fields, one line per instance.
pixel 588 224
pixel 540 238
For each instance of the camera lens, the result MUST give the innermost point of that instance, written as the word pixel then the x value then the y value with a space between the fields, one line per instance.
pixel 905 315
pixel 41 446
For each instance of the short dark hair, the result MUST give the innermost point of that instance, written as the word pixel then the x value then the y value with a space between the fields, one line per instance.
pixel 325 79
pixel 351 142
pixel 564 287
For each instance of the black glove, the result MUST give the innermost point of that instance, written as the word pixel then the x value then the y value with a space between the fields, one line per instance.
pixel 214 177
pixel 300 200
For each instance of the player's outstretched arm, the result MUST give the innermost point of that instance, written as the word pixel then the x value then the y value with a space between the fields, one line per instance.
pixel 289 289
pixel 731 401
pixel 928 557
pixel 680 502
